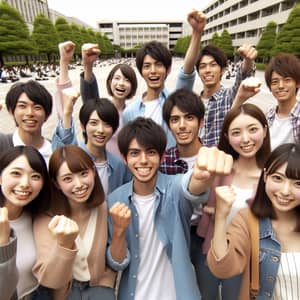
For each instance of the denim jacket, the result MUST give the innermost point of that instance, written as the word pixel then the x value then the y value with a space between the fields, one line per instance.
pixel 118 173
pixel 137 109
pixel 269 259
pixel 173 210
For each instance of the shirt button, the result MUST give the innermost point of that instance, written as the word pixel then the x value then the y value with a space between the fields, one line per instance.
pixel 136 256
pixel 134 276
pixel 270 278
pixel 275 259
pixel 136 215
pixel 268 294
pixel 131 294
pixel 136 235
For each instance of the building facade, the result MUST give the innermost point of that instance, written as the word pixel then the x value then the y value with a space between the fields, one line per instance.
pixel 244 19
pixel 128 34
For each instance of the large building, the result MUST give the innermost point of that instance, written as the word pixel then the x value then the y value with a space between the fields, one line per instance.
pixel 129 34
pixel 244 19
pixel 29 9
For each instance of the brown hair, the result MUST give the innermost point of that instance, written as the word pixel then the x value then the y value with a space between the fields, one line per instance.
pixel 253 111
pixel 286 65
pixel 77 160
pixel 287 153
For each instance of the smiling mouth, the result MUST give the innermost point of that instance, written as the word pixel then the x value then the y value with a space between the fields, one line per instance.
pixel 81 192
pixel 143 171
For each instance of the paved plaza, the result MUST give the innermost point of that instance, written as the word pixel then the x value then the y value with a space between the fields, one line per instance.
pixel 264 99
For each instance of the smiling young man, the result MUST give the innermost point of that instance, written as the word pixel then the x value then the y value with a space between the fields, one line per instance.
pixel 30 104
pixel 151 214
pixel 154 62
pixel 211 63
pixel 282 76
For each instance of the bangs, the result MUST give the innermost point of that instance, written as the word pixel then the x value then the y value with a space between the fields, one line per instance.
pixel 77 164
pixel 293 166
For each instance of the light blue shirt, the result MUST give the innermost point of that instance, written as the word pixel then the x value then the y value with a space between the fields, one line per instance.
pixel 118 173
pixel 172 214
pixel 137 109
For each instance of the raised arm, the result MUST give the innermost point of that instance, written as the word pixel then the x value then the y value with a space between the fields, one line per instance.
pixel 197 20
pixel 248 53
pixel 88 82
pixel 8 249
pixel 210 161
pixel 66 52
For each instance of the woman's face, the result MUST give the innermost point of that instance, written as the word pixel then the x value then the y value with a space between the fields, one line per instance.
pixel 76 187
pixel 283 192
pixel 20 184
pixel 120 86
pixel 246 135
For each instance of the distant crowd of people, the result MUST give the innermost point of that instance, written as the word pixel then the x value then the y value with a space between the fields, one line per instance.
pixel 175 195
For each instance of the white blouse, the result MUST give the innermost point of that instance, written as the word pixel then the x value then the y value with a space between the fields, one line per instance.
pixel 287 284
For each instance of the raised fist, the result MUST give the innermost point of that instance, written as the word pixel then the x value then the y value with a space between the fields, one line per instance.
pixel 64 231
pixel 121 215
pixel 225 196
pixel 4 226
pixel 66 50
pixel 90 53
pixel 197 20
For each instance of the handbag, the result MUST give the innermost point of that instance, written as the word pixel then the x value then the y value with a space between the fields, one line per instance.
pixel 254 260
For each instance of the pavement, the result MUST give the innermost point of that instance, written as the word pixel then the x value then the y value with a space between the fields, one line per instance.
pixel 264 99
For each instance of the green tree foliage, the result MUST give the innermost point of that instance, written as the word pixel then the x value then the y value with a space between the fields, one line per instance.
pixel 63 29
pixel 288 38
pixel 44 36
pixel 266 42
pixel 182 45
pixel 85 37
pixel 226 44
pixel 76 38
pixel 92 36
pixel 14 33
pixel 215 40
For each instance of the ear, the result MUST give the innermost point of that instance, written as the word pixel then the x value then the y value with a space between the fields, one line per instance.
pixel 201 123
pixel 0 179
pixel 265 131
pixel 222 72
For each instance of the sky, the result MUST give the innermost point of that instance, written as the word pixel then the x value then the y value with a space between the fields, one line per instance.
pixel 90 11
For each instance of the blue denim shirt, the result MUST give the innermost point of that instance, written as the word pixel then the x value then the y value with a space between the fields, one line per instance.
pixel 118 173
pixel 137 109
pixel 173 210
pixel 269 259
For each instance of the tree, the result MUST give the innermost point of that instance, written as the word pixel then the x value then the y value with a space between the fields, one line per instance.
pixel 226 44
pixel 266 42
pixel 288 38
pixel 14 33
pixel 76 38
pixel 182 45
pixel 63 29
pixel 44 36
pixel 215 40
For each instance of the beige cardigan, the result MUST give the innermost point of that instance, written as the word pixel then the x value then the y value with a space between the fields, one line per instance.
pixel 237 259
pixel 54 264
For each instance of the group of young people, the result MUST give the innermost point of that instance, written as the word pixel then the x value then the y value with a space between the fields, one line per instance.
pixel 161 188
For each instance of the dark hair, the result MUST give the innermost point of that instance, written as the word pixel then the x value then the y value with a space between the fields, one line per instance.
pixel 286 153
pixel 105 109
pixel 77 160
pixel 34 91
pixel 157 51
pixel 187 101
pixel 36 161
pixel 128 72
pixel 147 133
pixel 253 111
pixel 218 55
pixel 286 65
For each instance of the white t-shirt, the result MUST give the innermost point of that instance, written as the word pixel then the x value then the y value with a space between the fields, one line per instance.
pixel 281 132
pixel 26 254
pixel 102 169
pixel 155 275
pixel 45 150
pixel 153 110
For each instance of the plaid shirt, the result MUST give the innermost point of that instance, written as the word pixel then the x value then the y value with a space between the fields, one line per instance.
pixel 218 105
pixel 172 164
pixel 294 117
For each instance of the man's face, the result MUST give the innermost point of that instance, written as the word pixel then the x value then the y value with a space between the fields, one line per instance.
pixel 143 163
pixel 184 126
pixel 154 73
pixel 283 88
pixel 29 116
pixel 210 72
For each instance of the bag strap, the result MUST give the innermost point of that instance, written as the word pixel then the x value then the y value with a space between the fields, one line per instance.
pixel 254 267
